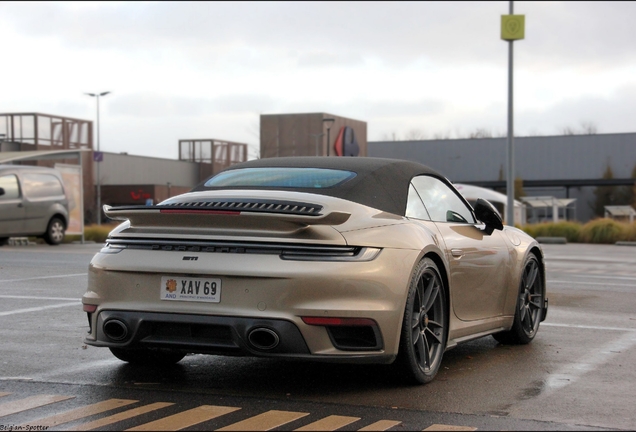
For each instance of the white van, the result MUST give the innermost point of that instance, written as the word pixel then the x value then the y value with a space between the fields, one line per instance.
pixel 33 202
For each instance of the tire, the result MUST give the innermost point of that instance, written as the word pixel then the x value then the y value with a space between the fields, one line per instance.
pixel 55 231
pixel 148 356
pixel 529 308
pixel 4 241
pixel 425 326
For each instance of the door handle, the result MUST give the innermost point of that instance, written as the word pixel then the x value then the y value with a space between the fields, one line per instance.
pixel 457 253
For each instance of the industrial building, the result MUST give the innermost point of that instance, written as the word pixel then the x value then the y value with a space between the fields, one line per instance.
pixel 568 167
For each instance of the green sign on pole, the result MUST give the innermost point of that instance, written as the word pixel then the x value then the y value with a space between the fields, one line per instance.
pixel 513 27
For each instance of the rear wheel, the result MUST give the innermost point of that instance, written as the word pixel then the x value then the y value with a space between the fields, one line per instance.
pixel 4 241
pixel 55 231
pixel 529 306
pixel 148 356
pixel 425 325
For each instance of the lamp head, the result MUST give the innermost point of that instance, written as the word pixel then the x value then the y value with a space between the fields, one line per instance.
pixel 329 122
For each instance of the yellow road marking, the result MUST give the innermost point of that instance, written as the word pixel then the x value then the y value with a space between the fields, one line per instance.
pixel 186 419
pixel 329 423
pixel 9 408
pixel 440 427
pixel 82 412
pixel 121 416
pixel 266 421
pixel 381 425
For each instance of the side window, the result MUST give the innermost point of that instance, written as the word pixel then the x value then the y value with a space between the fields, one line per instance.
pixel 441 201
pixel 11 189
pixel 42 185
pixel 414 207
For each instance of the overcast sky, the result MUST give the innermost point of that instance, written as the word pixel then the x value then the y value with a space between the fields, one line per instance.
pixel 208 70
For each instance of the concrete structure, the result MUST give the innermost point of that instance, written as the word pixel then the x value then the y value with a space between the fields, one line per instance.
pixel 307 134
pixel 569 166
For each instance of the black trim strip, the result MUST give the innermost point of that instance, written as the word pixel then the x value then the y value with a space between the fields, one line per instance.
pixel 234 247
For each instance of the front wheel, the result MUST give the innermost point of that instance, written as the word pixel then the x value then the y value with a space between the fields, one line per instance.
pixel 425 325
pixel 148 356
pixel 55 231
pixel 529 309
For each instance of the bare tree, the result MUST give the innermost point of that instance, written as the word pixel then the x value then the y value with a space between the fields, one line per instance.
pixel 568 130
pixel 588 127
pixel 442 135
pixel 392 136
pixel 480 133
pixel 415 135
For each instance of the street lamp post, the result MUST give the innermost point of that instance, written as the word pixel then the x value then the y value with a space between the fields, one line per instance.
pixel 316 137
pixel 329 123
pixel 98 212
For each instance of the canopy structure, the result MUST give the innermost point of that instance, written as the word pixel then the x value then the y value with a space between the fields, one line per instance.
pixel 620 213
pixel 548 207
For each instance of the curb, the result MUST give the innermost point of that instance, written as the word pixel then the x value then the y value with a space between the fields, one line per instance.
pixel 625 243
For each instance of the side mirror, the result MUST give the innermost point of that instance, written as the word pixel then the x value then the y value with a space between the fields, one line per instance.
pixel 488 214
pixel 1 191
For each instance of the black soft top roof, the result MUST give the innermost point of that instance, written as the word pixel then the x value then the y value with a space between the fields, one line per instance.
pixel 380 183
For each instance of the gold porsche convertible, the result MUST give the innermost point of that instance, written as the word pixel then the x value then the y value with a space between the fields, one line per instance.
pixel 320 258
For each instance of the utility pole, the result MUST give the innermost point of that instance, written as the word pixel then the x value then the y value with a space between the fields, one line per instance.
pixel 512 28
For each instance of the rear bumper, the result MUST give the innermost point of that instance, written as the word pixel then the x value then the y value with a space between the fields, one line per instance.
pixel 195 333
pixel 205 334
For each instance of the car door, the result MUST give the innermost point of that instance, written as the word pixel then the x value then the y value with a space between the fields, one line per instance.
pixel 41 191
pixel 11 208
pixel 479 263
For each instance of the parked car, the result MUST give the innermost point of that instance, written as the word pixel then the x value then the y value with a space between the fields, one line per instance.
pixel 32 203
pixel 334 259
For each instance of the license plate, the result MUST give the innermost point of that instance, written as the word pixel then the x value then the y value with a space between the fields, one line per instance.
pixel 178 288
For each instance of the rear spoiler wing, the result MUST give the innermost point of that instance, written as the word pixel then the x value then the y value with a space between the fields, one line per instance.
pixel 242 217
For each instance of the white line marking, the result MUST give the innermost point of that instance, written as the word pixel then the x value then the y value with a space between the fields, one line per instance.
pixel 576 273
pixel 571 282
pixel 44 277
pixel 40 298
pixel 589 327
pixel 570 373
pixel 73 370
pixel 37 309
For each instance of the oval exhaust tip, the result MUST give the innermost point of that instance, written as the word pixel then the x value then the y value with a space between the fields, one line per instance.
pixel 115 330
pixel 263 338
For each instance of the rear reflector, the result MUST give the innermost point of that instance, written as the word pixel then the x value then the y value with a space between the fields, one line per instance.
pixel 90 308
pixel 320 321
